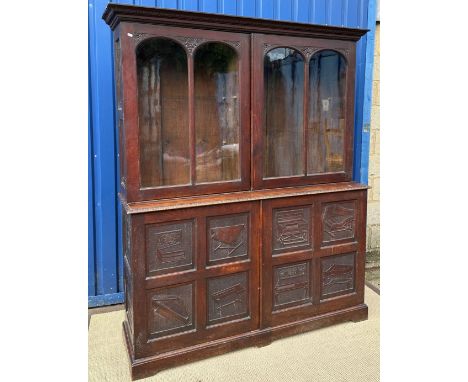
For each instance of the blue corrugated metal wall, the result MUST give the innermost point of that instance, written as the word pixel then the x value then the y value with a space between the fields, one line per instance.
pixel 105 264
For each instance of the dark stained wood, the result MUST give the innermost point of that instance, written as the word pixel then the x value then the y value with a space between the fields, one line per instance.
pixel 163 113
pixel 218 266
pixel 116 13
pixel 177 299
pixel 304 259
pixel 132 36
pixel 238 197
pixel 307 47
pixel 262 337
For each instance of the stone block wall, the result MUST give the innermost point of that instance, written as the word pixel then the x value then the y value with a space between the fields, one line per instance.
pixel 373 200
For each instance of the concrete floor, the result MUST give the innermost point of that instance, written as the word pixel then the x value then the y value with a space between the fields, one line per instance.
pixel 348 352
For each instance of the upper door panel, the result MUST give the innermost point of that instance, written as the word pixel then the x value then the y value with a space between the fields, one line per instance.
pixel 187 111
pixel 303 110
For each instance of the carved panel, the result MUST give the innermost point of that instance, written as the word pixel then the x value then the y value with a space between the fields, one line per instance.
pixel 308 51
pixel 227 297
pixel 291 284
pixel 127 235
pixel 228 237
pixel 338 221
pixel 170 310
pixel 267 47
pixel 137 37
pixel 191 43
pixel 128 298
pixel 169 246
pixel 337 274
pixel 124 234
pixel 291 228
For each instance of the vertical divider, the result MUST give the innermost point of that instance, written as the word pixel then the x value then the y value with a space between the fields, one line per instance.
pixel 316 274
pixel 191 110
pixel 260 238
pixel 200 288
pixel 305 113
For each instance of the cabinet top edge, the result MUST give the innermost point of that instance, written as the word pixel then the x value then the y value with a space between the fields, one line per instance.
pixel 237 197
pixel 116 13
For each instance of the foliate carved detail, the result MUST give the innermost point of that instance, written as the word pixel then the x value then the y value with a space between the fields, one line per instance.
pixel 191 43
pixel 169 246
pixel 267 47
pixel 308 51
pixel 171 309
pixel 137 37
pixel 291 284
pixel 338 221
pixel 228 237
pixel 291 228
pixel 337 274
pixel 227 297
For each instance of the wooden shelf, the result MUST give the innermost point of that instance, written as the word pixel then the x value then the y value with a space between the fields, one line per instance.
pixel 238 197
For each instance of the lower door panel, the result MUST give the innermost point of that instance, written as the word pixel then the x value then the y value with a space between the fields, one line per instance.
pixel 312 255
pixel 198 272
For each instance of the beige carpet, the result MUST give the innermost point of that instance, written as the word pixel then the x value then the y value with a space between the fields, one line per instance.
pixel 341 353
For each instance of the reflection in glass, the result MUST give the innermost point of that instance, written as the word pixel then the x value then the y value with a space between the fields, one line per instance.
pixel 327 81
pixel 283 129
pixel 216 73
pixel 163 113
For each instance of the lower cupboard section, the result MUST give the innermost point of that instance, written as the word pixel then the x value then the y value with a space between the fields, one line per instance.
pixel 206 280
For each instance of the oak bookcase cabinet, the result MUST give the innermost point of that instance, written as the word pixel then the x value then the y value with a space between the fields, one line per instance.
pixel 241 221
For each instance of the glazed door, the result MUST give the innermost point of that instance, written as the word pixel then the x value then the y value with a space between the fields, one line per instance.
pixel 302 110
pixel 186 101
pixel 313 255
pixel 196 275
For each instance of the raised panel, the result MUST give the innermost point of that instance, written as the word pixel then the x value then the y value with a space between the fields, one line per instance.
pixel 227 297
pixel 338 221
pixel 128 285
pixel 169 247
pixel 127 232
pixel 291 229
pixel 291 285
pixel 228 237
pixel 170 310
pixel 337 275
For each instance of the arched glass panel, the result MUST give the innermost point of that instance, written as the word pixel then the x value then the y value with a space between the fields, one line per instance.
pixel 216 78
pixel 283 122
pixel 327 84
pixel 163 113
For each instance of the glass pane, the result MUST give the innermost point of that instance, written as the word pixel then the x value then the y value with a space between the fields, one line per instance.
pixel 216 72
pixel 283 129
pixel 163 113
pixel 327 73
